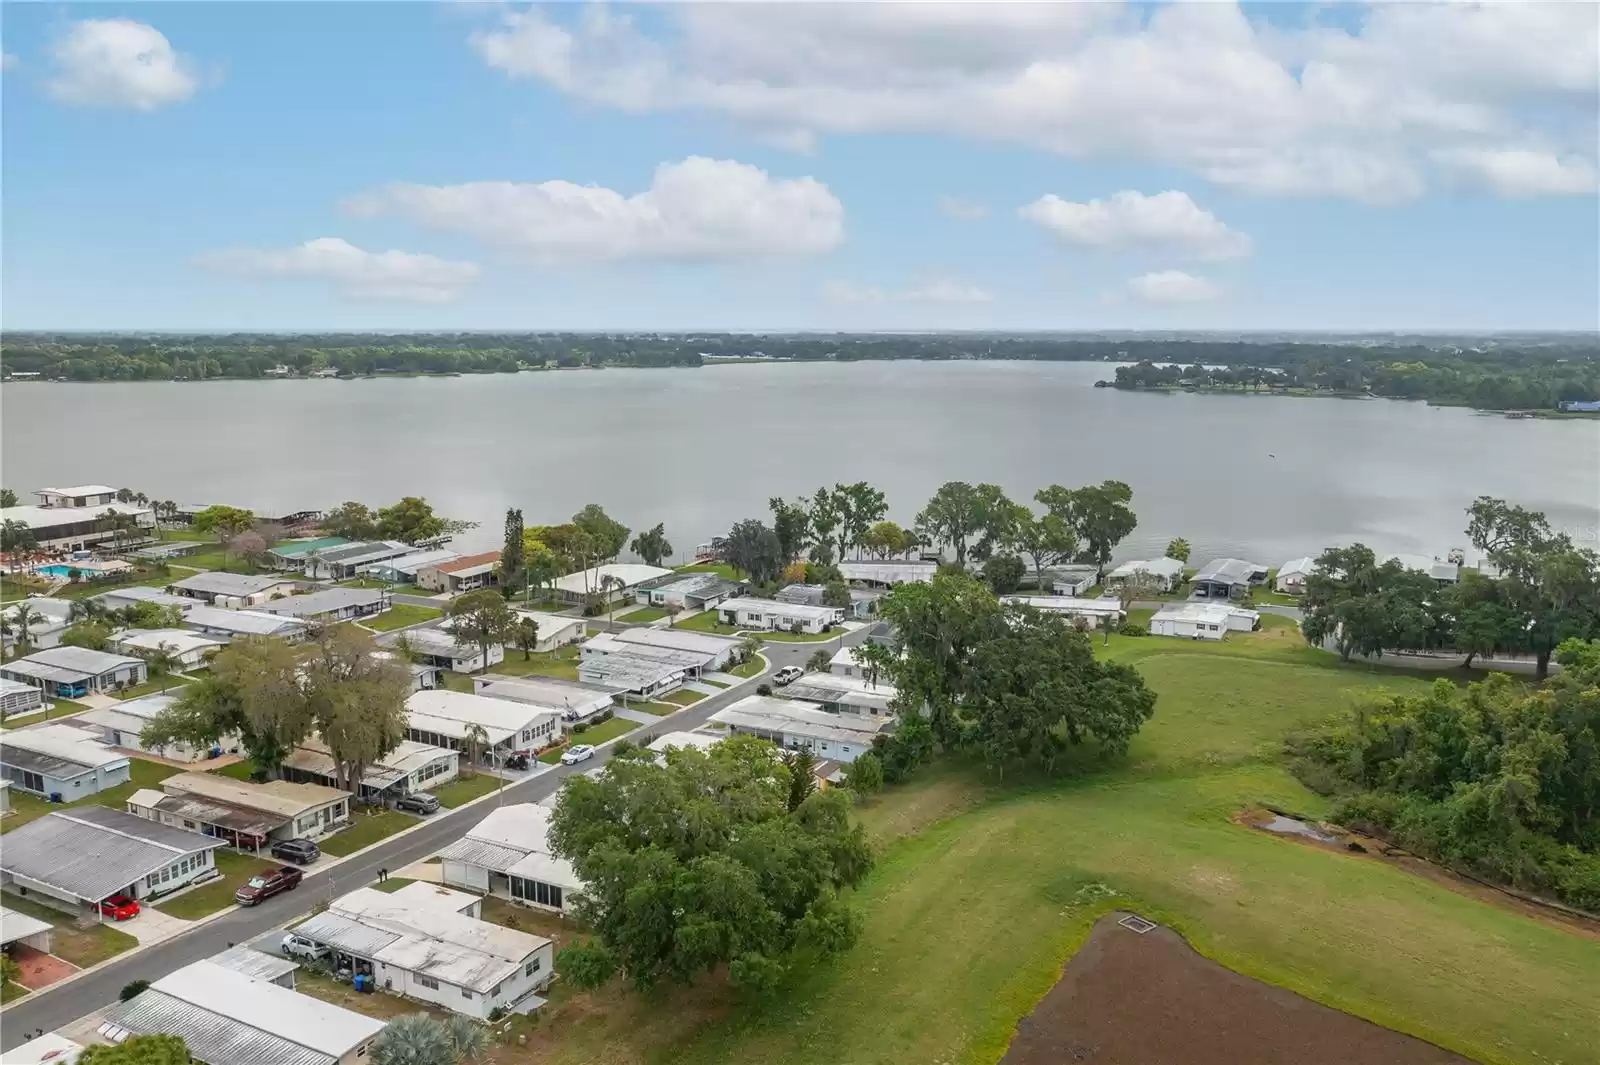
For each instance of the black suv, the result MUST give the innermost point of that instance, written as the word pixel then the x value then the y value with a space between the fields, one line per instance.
pixel 418 802
pixel 300 851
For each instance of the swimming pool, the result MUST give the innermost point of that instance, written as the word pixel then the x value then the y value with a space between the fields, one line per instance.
pixel 56 571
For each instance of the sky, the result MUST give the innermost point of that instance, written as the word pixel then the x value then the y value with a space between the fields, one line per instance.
pixel 771 166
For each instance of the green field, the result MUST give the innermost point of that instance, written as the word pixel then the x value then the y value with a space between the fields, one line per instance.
pixel 721 569
pixel 754 667
pixel 236 868
pixel 706 621
pixel 561 663
pixel 365 829
pixel 801 637
pixel 642 615
pixel 464 789
pixel 982 892
pixel 401 615
pixel 172 683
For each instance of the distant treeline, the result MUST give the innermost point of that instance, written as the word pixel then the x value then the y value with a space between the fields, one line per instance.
pixel 1521 372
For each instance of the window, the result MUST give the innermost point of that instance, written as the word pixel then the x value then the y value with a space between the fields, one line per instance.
pixel 533 966
pixel 427 981
pixel 32 781
pixel 189 825
pixel 465 993
pixel 495 993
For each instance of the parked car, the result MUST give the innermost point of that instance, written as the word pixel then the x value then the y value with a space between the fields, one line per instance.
pixel 789 674
pixel 418 802
pixel 120 908
pixel 265 885
pixel 299 851
pixel 300 947
pixel 520 760
pixel 580 753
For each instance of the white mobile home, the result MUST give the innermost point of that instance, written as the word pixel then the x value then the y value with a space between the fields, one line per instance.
pixel 410 767
pixel 220 622
pixel 123 726
pixel 73 672
pixel 440 647
pixel 576 587
pixel 18 697
pixel 769 615
pixel 555 630
pixel 886 573
pixel 508 855
pixel 1092 612
pixel 632 674
pixel 330 605
pixel 1160 574
pixel 721 651
pixel 1227 578
pixel 1202 621
pixel 444 718
pixel 188 649
pixel 572 700
pixel 47 620
pixel 793 724
pixel 245 814
pixel 1291 576
pixel 232 589
pixel 84 855
pixel 843 695
pixel 60 760
pixel 688 591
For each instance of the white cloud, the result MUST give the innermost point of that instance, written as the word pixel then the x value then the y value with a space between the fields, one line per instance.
pixel 965 210
pixel 1167 221
pixel 941 291
pixel 1309 109
pixel 118 63
pixel 1521 173
pixel 699 209
pixel 1172 286
pixel 358 274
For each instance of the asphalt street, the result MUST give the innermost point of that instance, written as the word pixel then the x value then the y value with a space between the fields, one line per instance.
pixel 50 1009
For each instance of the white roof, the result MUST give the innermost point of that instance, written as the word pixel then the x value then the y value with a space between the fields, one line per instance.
pixel 56 609
pixel 8 686
pixel 679 639
pixel 629 573
pixel 267 1007
pixel 79 490
pixel 449 713
pixel 630 671
pixel 36 517
pixel 64 742
pixel 141 594
pixel 703 741
pixel 549 693
pixel 48 1049
pixel 15 926
pixel 522 826
pixel 550 624
pixel 436 940
pixel 798 719
pixel 180 641
pixel 442 642
pixel 1206 613
pixel 1160 567
pixel 836 688
pixel 278 797
pixel 1437 568
pixel 605 643
pixel 243 622
pixel 314 756
pixel 78 660
pixel 413 562
pixel 547 868
pixel 772 606
pixel 845 656
pixel 230 584
pixel 1301 566
pixel 888 571
pixel 1068 604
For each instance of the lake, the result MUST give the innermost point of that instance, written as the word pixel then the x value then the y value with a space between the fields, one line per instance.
pixel 1260 477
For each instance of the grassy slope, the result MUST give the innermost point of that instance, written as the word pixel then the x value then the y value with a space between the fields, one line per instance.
pixel 969 920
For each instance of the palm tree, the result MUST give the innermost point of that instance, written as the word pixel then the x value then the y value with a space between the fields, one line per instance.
pixel 23 617
pixel 86 610
pixel 470 1039
pixel 608 584
pixel 415 1039
pixel 162 662
pixel 476 741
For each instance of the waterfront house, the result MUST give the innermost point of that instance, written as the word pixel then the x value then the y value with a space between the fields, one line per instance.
pixel 578 587
pixel 343 562
pixel 773 616
pixel 863 601
pixel 60 762
pixel 465 574
pixel 232 590
pixel 404 570
pixel 687 591
pixel 291 554
pixel 77 858
pixel 1072 580
pixel 886 573
pixel 424 942
pixel 508 855
pixel 1291 576
pixel 1161 575
pixel 721 651
pixel 73 672
pixel 1227 578
pixel 1202 621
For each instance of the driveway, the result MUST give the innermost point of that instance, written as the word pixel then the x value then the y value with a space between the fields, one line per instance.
pixel 51 1009
pixel 152 926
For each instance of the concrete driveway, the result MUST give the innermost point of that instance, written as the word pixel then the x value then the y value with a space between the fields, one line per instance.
pixel 152 926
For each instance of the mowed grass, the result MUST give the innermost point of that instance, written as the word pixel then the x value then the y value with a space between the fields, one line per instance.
pixel 464 789
pixel 982 892
pixel 642 615
pixel 236 868
pixel 365 829
pixel 82 947
pixel 400 616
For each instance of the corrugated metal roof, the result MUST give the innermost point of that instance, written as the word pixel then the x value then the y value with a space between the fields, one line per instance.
pixel 210 1037
pixel 93 851
pixel 256 963
pixel 209 812
pixel 346 934
pixel 229 584
pixel 482 853
pixel 326 601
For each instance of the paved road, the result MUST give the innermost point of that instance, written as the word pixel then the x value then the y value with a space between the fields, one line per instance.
pixel 52 1009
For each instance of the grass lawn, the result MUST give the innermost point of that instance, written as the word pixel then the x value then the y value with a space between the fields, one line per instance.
pixel 173 683
pixel 713 683
pixel 800 637
pixel 752 668
pixel 465 789
pixel 82 947
pixel 401 615
pixel 142 774
pixel 365 829
pixel 684 697
pixel 706 621
pixel 150 578
pixel 721 569
pixel 643 614
pixel 656 708
pixel 236 869
pixel 237 770
pixel 1009 878
pixel 562 663
pixel 458 682
pixel 384 1007
pixel 14 587
pixel 391 885
pixel 593 735
pixel 10 992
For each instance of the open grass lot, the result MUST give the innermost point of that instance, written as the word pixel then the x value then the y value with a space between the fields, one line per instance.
pixel 642 615
pixel 706 621
pixel 365 829
pixel 236 868
pixel 142 774
pixel 984 890
pixel 172 684
pixel 400 616
pixel 561 663
pixel 82 947
pixel 465 789
pixel 721 569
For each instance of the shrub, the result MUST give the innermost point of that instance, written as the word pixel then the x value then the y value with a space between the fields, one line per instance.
pixel 604 715
pixel 132 989
pixel 580 728
pixel 763 689
pixel 1134 628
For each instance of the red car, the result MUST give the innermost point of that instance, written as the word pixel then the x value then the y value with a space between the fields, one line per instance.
pixel 120 908
pixel 268 884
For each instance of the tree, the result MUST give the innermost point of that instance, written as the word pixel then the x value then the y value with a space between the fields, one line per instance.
pixel 696 862
pixel 1139 587
pixel 886 539
pixel 138 1050
pixel 414 1039
pixel 824 517
pixel 1098 514
pixel 223 522
pixel 792 524
pixel 160 662
pixel 836 594
pixel 1366 608
pixel 802 767
pixel 527 636
pixel 92 635
pixel 10 971
pixel 753 549
pixel 16 536
pixel 1178 549
pixel 608 536
pixel 22 618
pixel 511 554
pixel 1048 540
pixel 483 617
pixel 357 698
pixel 475 738
pixel 610 587
pixel 819 662
pixel 413 521
pixel 864 775
pixel 469 1039
pixel 351 520
pixel 1003 573
pixel 248 545
pixel 8 498
pixel 132 990
pixel 652 545
pixel 960 512
pixel 859 505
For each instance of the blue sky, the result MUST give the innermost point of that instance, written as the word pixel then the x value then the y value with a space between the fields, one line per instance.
pixel 419 166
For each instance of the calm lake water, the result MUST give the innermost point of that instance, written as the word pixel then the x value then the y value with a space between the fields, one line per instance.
pixel 1262 477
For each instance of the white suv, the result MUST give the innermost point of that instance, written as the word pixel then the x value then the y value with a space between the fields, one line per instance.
pixel 300 947
pixel 788 674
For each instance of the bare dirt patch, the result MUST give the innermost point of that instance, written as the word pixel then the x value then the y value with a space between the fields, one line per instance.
pixel 1130 999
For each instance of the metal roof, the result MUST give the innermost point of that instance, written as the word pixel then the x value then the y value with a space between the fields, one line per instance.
pixel 1210 613
pixel 91 852
pixel 772 606
pixel 680 639
pixel 281 798
pixel 482 853
pixel 208 812
pixel 324 602
pixel 438 641
pixel 450 712
pixel 314 756
pixel 1229 571
pixel 605 644
pixel 296 549
pixel 229 584
pixel 370 550
pixel 178 641
pixel 1301 566
pixel 80 660
pixel 550 693
pixel 1159 567
pixel 628 670
pixel 888 571
pixel 78 490
pixel 548 869
pixel 37 517
pixel 1069 605
pixel 52 748
pixel 140 594
pixel 257 963
pixel 848 691
pixel 630 574
pixel 702 741
pixel 794 718
pixel 15 926
pixel 411 564
pixel 697 585
pixel 241 622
